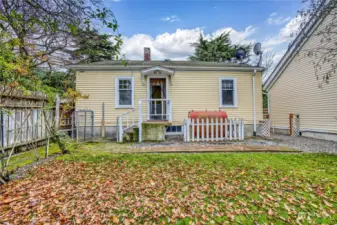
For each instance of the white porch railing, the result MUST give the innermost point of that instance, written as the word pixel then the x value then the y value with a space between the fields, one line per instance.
pixel 148 110
pixel 126 121
pixel 156 109
pixel 197 130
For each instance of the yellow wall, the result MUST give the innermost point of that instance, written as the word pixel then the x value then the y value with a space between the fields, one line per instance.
pixel 297 91
pixel 189 91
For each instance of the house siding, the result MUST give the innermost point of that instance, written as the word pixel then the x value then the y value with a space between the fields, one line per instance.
pixel 297 91
pixel 197 90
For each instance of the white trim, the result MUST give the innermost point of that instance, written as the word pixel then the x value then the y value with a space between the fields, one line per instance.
pixel 254 102
pixel 154 68
pixel 175 133
pixel 235 97
pixel 117 106
pixel 183 68
pixel 149 94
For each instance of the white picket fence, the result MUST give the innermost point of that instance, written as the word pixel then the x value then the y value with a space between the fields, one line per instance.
pixel 198 130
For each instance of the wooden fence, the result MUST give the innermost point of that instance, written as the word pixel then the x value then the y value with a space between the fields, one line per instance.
pixel 24 126
pixel 214 130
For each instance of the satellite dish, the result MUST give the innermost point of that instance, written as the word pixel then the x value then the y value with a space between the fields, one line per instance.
pixel 258 52
pixel 257 49
pixel 240 54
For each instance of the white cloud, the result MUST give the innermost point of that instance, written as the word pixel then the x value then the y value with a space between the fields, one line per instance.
pixel 285 34
pixel 277 20
pixel 171 19
pixel 177 45
pixel 237 37
pixel 116 0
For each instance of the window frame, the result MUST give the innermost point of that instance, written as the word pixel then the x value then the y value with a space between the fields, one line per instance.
pixel 176 132
pixel 235 93
pixel 117 105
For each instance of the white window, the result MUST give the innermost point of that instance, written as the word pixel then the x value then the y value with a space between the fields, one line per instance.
pixel 124 92
pixel 228 92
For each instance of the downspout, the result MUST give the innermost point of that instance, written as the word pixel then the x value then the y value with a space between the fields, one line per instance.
pixel 254 104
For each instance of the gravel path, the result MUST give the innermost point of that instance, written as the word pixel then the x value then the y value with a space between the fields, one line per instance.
pixel 300 143
pixel 305 144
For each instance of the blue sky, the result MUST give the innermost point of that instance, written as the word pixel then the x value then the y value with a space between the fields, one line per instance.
pixel 168 27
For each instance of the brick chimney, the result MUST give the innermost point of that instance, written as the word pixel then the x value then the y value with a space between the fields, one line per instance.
pixel 147 54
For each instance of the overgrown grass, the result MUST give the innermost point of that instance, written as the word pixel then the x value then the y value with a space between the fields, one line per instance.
pixel 31 156
pixel 89 186
pixel 319 165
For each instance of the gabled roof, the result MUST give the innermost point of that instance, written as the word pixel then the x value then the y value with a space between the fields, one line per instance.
pixel 294 47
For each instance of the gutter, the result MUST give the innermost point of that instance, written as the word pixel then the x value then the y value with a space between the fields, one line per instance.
pixel 254 103
pixel 83 68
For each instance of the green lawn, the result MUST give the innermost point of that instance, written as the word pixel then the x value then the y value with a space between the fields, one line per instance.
pixel 87 187
pixel 31 156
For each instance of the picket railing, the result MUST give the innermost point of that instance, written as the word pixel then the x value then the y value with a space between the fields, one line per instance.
pixel 197 130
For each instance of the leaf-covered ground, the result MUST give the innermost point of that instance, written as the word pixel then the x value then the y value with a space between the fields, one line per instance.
pixel 92 187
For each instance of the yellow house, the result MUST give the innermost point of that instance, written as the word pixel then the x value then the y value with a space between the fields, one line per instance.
pixel 167 91
pixel 294 86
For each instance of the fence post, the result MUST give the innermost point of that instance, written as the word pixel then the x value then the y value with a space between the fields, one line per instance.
pixel 72 125
pixel 103 120
pixel 243 129
pixel 188 130
pixel 239 130
pixel 47 148
pixel 198 130
pixel 193 130
pixel 235 133
pixel 2 141
pixel 202 130
pixel 185 138
pixel 216 129
pixel 212 129
pixel 230 129
pixel 120 129
pixel 226 129
pixel 57 113
pixel 207 129
pixel 221 129
pixel 92 125
pixel 140 121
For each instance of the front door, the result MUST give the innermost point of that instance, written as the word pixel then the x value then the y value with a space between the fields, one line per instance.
pixel 157 102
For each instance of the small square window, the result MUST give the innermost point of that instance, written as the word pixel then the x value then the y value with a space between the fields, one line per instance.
pixel 174 130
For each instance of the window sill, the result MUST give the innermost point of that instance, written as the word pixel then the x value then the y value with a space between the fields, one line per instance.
pixel 228 106
pixel 124 107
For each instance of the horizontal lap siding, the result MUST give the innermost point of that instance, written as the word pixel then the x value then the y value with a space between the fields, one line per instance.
pixel 189 91
pixel 297 91
pixel 100 86
pixel 200 91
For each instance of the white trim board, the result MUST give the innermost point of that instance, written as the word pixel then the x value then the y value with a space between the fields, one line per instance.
pixel 235 105
pixel 117 106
